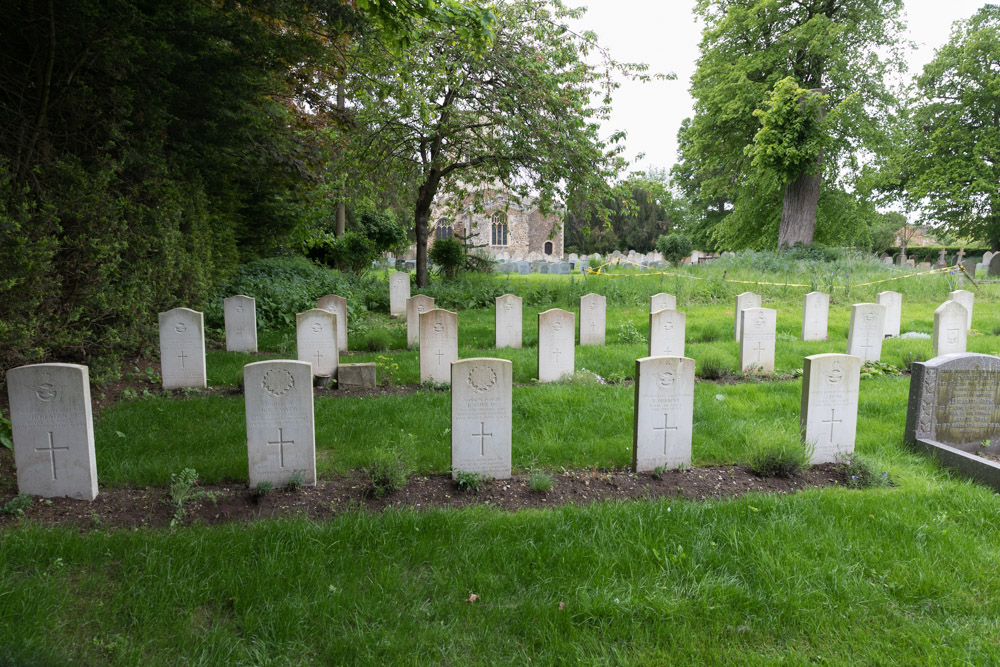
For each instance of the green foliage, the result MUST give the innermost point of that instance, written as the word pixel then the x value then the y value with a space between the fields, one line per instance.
pixel 861 474
pixel 383 230
pixel 877 369
pixel 778 457
pixel 449 255
pixel 16 506
pixel 659 472
pixel 792 134
pixel 351 251
pixel 262 489
pixel 295 481
pixel 674 247
pixel 629 334
pixel 183 492
pixel 386 472
pixel 469 482
pixel 6 435
pixel 541 482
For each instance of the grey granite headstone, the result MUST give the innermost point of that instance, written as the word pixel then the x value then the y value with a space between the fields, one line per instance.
pixel 970 266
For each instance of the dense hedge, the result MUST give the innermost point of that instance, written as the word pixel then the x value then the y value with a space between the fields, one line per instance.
pixel 931 253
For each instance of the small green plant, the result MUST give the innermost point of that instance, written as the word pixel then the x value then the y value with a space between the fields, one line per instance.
pixel 583 377
pixel 6 435
pixel 659 472
pixel 262 489
pixel 713 367
pixel 782 457
pixel 295 482
pixel 386 472
pixel 183 492
pixel 862 475
pixel 541 482
pixel 877 368
pixel 628 333
pixel 16 506
pixel 468 481
pixel 911 356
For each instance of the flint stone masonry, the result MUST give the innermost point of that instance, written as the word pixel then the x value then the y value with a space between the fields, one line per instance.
pixel 866 331
pixel 967 299
pixel 438 344
pixel 182 349
pixel 281 441
pixel 666 333
pixel 356 376
pixel 815 316
pixel 743 301
pixel 893 302
pixel 481 413
pixel 593 319
pixel 829 414
pixel 53 428
pixel 555 344
pixel 415 307
pixel 758 330
pixel 662 301
pixel 664 409
pixel 338 306
pixel 316 338
pixel 240 314
pixel 950 334
pixel 507 321
pixel 399 292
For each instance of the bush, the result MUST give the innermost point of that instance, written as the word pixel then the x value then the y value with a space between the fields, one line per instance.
pixel 674 247
pixel 386 473
pixel 541 482
pixel 382 229
pixel 782 457
pixel 449 255
pixel 351 251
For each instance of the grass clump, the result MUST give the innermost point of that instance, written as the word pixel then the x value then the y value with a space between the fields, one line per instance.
pixel 183 492
pixel 262 489
pixel 782 457
pixel 861 474
pixel 541 482
pixel 468 481
pixel 713 366
pixel 16 506
pixel 296 481
pixel 387 473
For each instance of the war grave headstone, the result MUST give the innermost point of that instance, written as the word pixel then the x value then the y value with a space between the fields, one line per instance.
pixel 666 333
pixel 556 334
pixel 415 307
pixel 994 270
pixel 481 413
pixel 507 321
pixel 182 349
pixel 662 301
pixel 316 341
pixel 593 319
pixel 664 409
pixel 52 424
pixel 967 299
pixel 281 440
pixel 893 302
pixel 950 334
pixel 757 336
pixel 866 331
pixel 743 301
pixel 438 344
pixel 815 316
pixel 399 292
pixel 338 306
pixel 829 414
pixel 954 410
pixel 240 313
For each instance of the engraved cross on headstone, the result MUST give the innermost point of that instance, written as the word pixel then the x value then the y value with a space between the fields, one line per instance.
pixel 318 355
pixel 182 357
pixel 759 348
pixel 482 435
pixel 866 347
pixel 665 428
pixel 593 324
pixel 52 449
pixel 281 442
pixel 439 354
pixel 556 353
pixel 831 421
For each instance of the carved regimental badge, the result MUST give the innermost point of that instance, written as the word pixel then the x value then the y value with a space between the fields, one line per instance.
pixel 666 378
pixel 277 382
pixel 317 327
pixel 508 306
pixel 760 320
pixel 482 378
pixel 180 327
pixel 47 391
pixel 836 374
pixel 439 327
pixel 557 326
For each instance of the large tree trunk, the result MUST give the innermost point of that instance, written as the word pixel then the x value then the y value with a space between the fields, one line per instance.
pixel 798 214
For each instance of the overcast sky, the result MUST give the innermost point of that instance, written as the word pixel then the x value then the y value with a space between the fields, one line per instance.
pixel 664 34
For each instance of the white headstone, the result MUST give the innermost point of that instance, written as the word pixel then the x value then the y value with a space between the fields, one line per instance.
pixel 508 321
pixel 758 332
pixel 950 333
pixel 53 427
pixel 338 306
pixel 593 319
pixel 829 415
pixel 281 440
pixel 866 331
pixel 743 301
pixel 241 323
pixel 316 338
pixel 182 349
pixel 893 302
pixel 481 412
pixel 438 344
pixel 415 307
pixel 666 333
pixel 815 316
pixel 967 299
pixel 664 409
pixel 555 344
pixel 399 292
pixel 662 301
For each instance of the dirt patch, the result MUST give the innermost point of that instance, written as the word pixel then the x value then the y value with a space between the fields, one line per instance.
pixel 131 508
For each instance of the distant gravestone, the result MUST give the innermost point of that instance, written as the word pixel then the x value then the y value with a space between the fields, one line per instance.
pixel 316 341
pixel 829 414
pixel 941 260
pixel 52 425
pixel 507 321
pixel 887 260
pixel 481 413
pixel 994 270
pixel 664 409
pixel 338 306
pixel 438 344
pixel 240 314
pixel 182 349
pixel 415 307
pixel 924 266
pixel 815 316
pixel 666 333
pixel 866 331
pixel 970 266
pixel 912 263
pixel 281 441
pixel 593 319
pixel 523 267
pixel 950 333
pixel 399 292
pixel 988 257
pixel 743 301
pixel 967 299
pixel 662 301
pixel 555 344
pixel 757 335
pixel 893 302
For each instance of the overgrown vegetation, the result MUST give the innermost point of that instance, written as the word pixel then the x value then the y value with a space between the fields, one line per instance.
pixel 778 457
pixel 386 472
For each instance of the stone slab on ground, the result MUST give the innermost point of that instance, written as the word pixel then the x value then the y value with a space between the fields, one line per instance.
pixel 356 376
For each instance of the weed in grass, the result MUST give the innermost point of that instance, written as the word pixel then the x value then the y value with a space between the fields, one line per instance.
pixel 712 367
pixel 541 482
pixel 296 481
pixel 468 481
pixel 862 475
pixel 778 457
pixel 583 377
pixel 386 473
pixel 16 506
pixel 183 492
pixel 659 472
pixel 262 489
pixel 629 334
pixel 877 368
pixel 387 369
pixel 911 356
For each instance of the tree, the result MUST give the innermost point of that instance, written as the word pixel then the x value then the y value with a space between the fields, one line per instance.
pixel 674 247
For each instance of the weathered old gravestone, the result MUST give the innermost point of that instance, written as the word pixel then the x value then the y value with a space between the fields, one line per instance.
pixel 316 338
pixel 338 306
pixel 829 414
pixel 994 270
pixel 950 334
pixel 182 348
pixel 954 413
pixel 593 319
pixel 988 257
pixel 666 333
pixel 967 299
pixel 893 302
pixel 664 409
pixel 662 301
pixel 941 260
pixel 866 331
pixel 240 314
pixel 399 292
pixel 415 307
pixel 555 344
pixel 507 321
pixel 970 267
pixel 924 266
pixel 757 335
pixel 815 316
pixel 438 344
pixel 481 417
pixel 53 428
pixel 743 301
pixel 356 376
pixel 887 260
pixel 281 441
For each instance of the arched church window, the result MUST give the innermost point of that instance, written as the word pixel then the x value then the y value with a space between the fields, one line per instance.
pixel 499 235
pixel 443 229
pixel 548 247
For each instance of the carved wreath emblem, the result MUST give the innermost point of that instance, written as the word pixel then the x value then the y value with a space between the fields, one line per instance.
pixel 482 378
pixel 277 382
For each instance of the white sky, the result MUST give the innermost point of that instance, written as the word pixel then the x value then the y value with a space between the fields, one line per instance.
pixel 663 34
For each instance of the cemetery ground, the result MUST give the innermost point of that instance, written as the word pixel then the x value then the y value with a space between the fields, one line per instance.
pixel 710 564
